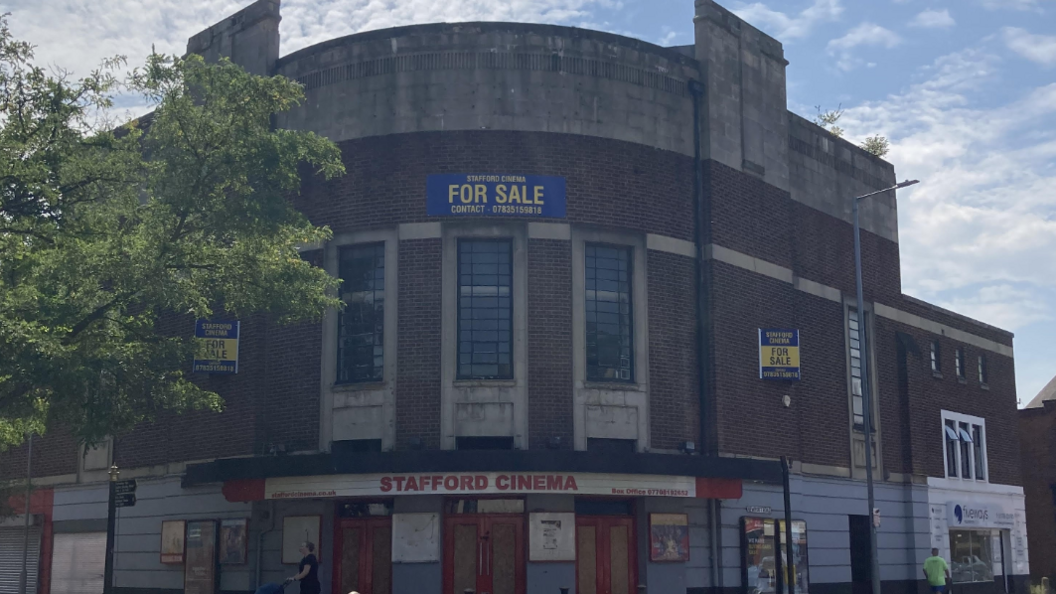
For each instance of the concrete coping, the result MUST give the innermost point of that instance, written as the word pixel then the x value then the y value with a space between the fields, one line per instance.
pixel 491 27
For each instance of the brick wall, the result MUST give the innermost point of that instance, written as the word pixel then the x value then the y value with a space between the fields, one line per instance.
pixel 1038 430
pixel 673 394
pixel 53 453
pixel 274 400
pixel 549 343
pixel 418 344
pixel 609 182
pixel 751 416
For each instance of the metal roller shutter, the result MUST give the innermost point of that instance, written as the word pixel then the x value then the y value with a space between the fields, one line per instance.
pixel 77 563
pixel 11 559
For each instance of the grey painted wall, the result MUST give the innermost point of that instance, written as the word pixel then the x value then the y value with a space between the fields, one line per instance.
pixel 137 546
pixel 825 504
pixel 549 578
pixel 416 578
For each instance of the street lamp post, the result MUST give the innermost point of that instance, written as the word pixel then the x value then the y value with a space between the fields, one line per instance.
pixel 867 407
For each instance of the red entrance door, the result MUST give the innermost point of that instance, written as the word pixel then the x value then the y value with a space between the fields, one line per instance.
pixel 363 555
pixel 605 555
pixel 484 553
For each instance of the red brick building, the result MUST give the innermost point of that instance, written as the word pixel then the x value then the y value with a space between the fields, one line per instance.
pixel 1037 425
pixel 517 397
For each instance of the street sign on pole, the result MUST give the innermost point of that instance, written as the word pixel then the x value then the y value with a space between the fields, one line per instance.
pixel 125 493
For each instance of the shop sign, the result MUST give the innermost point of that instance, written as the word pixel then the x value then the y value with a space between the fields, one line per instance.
pixel 489 483
pixel 963 514
pixel 469 195
pixel 778 354
pixel 217 347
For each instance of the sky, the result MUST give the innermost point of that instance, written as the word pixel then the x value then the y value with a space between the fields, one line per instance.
pixel 964 89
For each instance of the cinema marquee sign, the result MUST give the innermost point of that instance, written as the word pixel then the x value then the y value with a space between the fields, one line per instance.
pixel 482 483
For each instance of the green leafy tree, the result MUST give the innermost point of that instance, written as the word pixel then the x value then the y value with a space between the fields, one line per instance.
pixel 105 228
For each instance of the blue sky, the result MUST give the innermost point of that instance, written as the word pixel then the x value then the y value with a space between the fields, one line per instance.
pixel 965 90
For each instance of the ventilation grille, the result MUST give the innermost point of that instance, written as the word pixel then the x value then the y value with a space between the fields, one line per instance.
pixel 494 61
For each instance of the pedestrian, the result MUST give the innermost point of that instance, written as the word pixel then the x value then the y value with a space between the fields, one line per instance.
pixel 937 572
pixel 308 573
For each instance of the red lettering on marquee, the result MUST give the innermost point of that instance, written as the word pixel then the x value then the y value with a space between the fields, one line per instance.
pixel 411 484
pixel 451 483
pixel 480 482
pixel 554 483
pixel 386 484
pixel 437 481
pixel 467 483
pixel 539 482
pixel 570 484
pixel 399 482
pixel 524 483
pixel 502 482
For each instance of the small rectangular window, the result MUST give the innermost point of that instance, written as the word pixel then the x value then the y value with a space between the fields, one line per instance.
pixel 966 450
pixel 485 309
pixel 983 375
pixel 952 444
pixel 936 357
pixel 361 325
pixel 978 445
pixel 958 360
pixel 610 350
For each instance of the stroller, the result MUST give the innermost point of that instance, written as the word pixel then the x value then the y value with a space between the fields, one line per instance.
pixel 273 588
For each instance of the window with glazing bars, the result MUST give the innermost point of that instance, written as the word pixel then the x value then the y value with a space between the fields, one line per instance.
pixel 854 343
pixel 936 356
pixel 609 335
pixel 361 326
pixel 485 309
pixel 983 375
pixel 952 443
pixel 958 360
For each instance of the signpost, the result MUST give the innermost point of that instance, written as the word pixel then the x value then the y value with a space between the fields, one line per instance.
pixel 125 493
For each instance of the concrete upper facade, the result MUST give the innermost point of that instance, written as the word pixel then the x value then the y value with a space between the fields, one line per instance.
pixel 494 76
pixel 545 78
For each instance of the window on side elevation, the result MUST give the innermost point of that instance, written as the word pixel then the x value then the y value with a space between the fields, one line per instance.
pixel 361 326
pixel 984 375
pixel 610 350
pixel 485 309
pixel 964 439
pixel 855 336
pixel 936 357
pixel 958 360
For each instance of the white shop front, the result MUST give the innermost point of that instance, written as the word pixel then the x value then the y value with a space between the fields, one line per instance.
pixel 980 529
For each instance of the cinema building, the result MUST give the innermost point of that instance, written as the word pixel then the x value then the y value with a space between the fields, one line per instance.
pixel 534 223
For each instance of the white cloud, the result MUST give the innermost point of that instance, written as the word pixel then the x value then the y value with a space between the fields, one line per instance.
pixel 1037 48
pixel 865 34
pixel 983 217
pixel 785 26
pixel 91 31
pixel 1014 4
pixel 933 19
pixel 1003 305
pixel 868 34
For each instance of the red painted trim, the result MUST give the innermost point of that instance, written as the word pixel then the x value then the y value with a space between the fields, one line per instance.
pixel 603 551
pixel 484 524
pixel 243 490
pixel 41 502
pixel 716 488
pixel 367 533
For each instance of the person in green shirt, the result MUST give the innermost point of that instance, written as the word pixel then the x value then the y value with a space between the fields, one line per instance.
pixel 936 570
